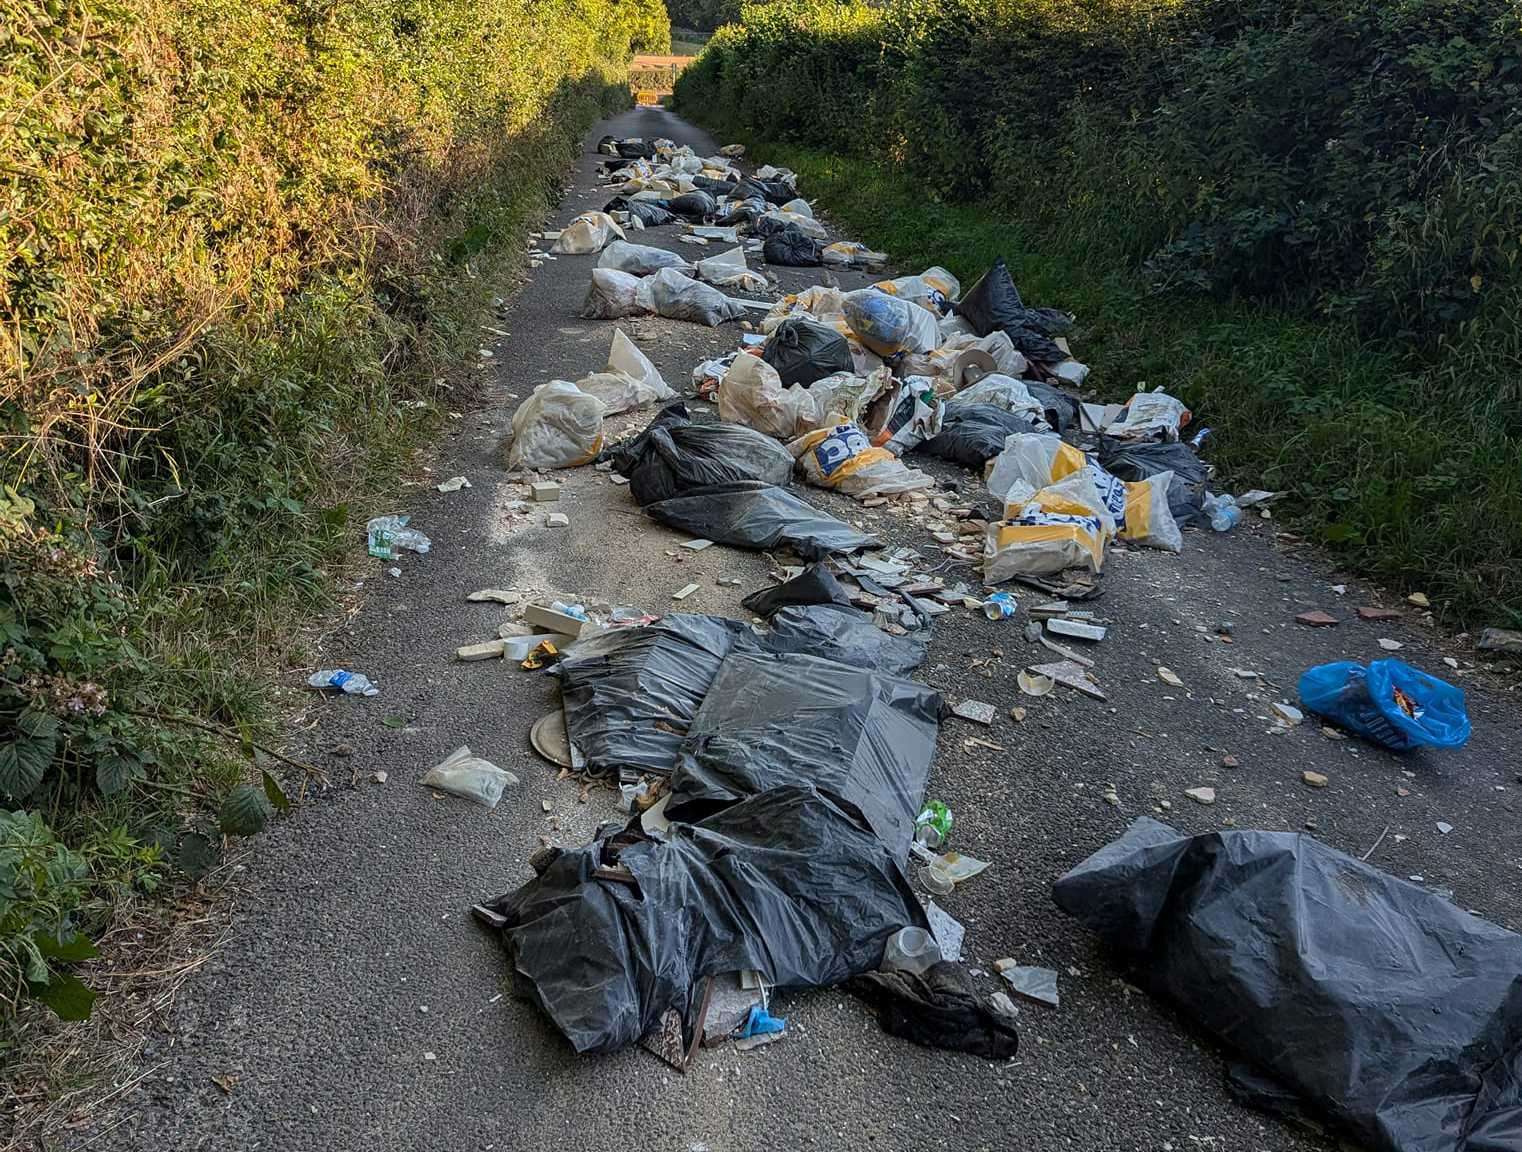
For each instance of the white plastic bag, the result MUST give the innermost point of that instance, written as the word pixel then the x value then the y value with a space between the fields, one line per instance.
pixel 841 458
pixel 934 289
pixel 1003 392
pixel 589 232
pixel 559 426
pixel 800 206
pixel 613 295
pixel 630 380
pixel 463 774
pixel 1148 413
pixel 908 415
pixel 670 294
pixel 888 325
pixel 638 259
pixel 751 393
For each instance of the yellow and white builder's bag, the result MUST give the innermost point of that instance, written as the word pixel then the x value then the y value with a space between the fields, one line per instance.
pixel 1139 511
pixel 843 459
pixel 1061 526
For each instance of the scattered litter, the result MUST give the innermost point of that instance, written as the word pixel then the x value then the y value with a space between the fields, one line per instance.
pixel 1314 779
pixel 1001 606
pixel 947 931
pixel 1316 619
pixel 1288 713
pixel 548 736
pixel 1390 645
pixel 1070 675
pixel 1034 683
pixel 932 827
pixel 1419 599
pixel 463 774
pixel 543 655
pixel 975 710
pixel 1444 827
pixel 557 520
pixel 1201 795
pixel 1368 613
pixel 544 491
pixel 388 535
pixel 1168 676
pixel 696 545
pixel 684 592
pixel 1389 702
pixel 394 573
pixel 910 950
pixel 1039 984
pixel 350 683
pixel 1501 642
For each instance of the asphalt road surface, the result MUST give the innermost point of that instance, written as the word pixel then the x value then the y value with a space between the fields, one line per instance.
pixel 356 1005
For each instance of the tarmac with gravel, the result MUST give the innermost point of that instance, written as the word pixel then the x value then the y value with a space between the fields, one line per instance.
pixel 356 1004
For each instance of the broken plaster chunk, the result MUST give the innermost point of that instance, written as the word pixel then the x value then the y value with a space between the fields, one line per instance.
pixel 557 520
pixel 1201 795
pixel 1314 779
pixel 486 650
pixel 683 593
pixel 1077 629
pixel 976 711
pixel 544 491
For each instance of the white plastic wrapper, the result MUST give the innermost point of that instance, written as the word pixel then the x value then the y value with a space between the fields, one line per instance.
pixel 1003 392
pixel 907 416
pixel 589 232
pixel 612 296
pixel 670 294
pixel 841 458
pixel 559 426
pixel 1148 413
pixel 463 774
pixel 630 380
pixel 639 259
pixel 799 206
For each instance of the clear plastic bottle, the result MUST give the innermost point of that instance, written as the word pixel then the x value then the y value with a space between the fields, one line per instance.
pixel 1223 512
pixel 352 683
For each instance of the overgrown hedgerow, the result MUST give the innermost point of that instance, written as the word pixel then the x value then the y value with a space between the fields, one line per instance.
pixel 240 245
pixel 1305 217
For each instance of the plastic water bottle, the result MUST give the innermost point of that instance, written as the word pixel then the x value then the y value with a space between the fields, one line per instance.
pixel 352 683
pixel 1223 512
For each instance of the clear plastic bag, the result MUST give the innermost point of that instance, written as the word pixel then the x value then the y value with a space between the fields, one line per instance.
pixel 1003 392
pixel 1150 414
pixel 385 536
pixel 612 296
pixel 670 294
pixel 630 381
pixel 638 259
pixel 463 774
pixel 559 426
pixel 888 325
pixel 589 232
pixel 751 393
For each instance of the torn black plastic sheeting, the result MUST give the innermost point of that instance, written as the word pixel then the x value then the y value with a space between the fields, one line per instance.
pixel 1383 1004
pixel 751 514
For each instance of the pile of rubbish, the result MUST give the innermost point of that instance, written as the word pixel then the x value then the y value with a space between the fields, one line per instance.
pixel 775 774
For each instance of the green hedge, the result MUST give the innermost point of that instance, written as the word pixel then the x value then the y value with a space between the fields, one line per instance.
pixel 1345 173
pixel 240 246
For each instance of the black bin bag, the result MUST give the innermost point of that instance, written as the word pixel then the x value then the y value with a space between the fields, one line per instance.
pixel 673 456
pixel 629 694
pixel 778 720
pixel 1133 460
pixel 973 434
pixel 790 248
pixel 1384 1005
pixel 845 635
pixel 993 304
pixel 791 883
pixel 752 514
pixel 692 206
pixel 803 351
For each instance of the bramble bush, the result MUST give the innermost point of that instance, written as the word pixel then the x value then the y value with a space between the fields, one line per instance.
pixel 1311 209
pixel 238 244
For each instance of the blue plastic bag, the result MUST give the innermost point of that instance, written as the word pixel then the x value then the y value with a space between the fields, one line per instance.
pixel 1389 702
